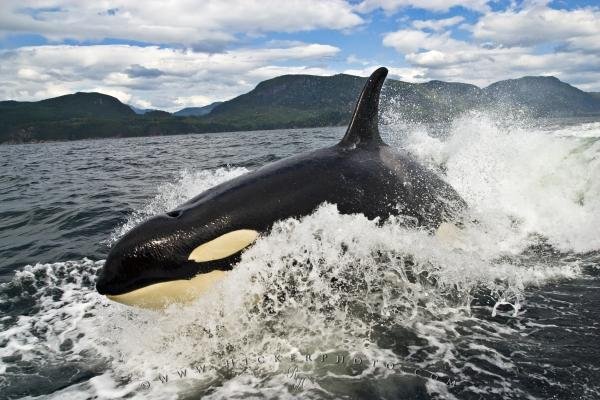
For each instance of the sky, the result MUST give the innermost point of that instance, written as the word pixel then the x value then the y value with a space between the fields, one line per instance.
pixel 183 53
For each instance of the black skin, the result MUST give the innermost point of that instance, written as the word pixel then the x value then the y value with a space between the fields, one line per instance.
pixel 361 174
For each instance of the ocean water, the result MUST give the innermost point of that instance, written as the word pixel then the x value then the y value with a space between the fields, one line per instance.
pixel 329 306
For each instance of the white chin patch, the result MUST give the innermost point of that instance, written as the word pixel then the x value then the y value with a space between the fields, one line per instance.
pixel 224 246
pixel 160 295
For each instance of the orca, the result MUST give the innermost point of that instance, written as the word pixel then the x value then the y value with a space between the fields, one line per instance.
pixel 178 256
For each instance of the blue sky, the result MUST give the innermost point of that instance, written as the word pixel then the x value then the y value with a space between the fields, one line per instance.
pixel 191 53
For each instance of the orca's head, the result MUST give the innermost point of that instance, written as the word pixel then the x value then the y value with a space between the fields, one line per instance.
pixel 173 257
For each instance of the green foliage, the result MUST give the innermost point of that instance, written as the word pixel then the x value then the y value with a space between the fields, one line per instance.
pixel 543 96
pixel 290 101
pixel 595 94
pixel 157 114
pixel 196 111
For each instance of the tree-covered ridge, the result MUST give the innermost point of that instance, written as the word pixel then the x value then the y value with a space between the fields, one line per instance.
pixel 289 101
pixel 196 111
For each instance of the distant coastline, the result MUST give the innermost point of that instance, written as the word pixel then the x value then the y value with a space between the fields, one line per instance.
pixel 285 102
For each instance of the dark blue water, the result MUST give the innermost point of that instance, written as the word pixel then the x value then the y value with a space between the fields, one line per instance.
pixel 60 201
pixel 506 308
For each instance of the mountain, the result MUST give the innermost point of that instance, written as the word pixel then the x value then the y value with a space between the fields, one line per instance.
pixel 77 105
pixel 157 114
pixel 543 96
pixel 289 101
pixel 433 101
pixel 43 120
pixel 196 111
pixel 292 101
pixel 140 111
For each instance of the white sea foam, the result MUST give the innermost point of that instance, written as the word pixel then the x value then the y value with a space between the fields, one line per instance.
pixel 521 181
pixel 319 285
pixel 586 130
pixel 331 283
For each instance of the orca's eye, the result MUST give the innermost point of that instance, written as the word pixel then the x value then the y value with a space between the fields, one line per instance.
pixel 175 213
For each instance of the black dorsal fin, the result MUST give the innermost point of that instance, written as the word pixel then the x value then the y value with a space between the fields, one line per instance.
pixel 363 128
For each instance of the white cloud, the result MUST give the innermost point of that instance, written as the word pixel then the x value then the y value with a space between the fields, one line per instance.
pixel 271 71
pixel 206 24
pixel 508 44
pixel 537 24
pixel 354 59
pixel 208 64
pixel 438 24
pixel 186 78
pixel 390 6
pixel 191 101
pixel 439 56
pixel 403 74
pixel 412 40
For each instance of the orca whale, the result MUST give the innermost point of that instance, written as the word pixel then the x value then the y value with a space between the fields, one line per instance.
pixel 177 256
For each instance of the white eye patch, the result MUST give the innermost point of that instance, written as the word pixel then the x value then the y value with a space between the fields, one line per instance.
pixel 223 246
